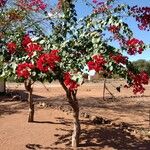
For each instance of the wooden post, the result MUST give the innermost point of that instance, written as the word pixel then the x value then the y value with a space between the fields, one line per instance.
pixel 104 87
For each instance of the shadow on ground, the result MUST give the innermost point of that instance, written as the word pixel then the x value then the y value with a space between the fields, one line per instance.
pixel 9 106
pixel 22 93
pixel 98 137
pixel 112 137
pixel 12 107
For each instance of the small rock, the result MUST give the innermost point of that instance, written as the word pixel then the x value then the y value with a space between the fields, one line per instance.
pixel 86 115
pixel 130 130
pixel 82 114
pixel 63 110
pixel 123 125
pixel 97 120
pixel 113 124
pixel 42 104
pixel 107 121
pixel 60 107
pixel 16 98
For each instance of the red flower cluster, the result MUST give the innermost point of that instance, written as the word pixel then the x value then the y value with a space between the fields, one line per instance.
pixel 97 63
pixel 142 15
pixel 2 3
pixel 100 10
pixel 31 47
pixel 33 5
pixel 59 4
pixel 48 61
pixel 100 6
pixel 113 28
pixel 23 70
pixel 11 46
pixel 95 1
pixel 71 84
pixel 119 58
pixel 134 46
pixel 26 40
pixel 138 81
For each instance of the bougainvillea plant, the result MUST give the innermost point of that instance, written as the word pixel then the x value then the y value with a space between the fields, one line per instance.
pixel 73 44
pixel 16 47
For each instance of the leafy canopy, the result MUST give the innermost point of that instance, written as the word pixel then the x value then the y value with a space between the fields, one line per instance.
pixel 73 44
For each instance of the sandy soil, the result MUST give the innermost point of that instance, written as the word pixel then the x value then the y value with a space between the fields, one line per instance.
pixel 129 115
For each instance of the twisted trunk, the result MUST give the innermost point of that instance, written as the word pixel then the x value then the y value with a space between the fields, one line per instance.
pixel 28 87
pixel 71 96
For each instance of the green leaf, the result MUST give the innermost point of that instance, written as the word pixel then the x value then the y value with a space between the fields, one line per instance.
pixel 111 68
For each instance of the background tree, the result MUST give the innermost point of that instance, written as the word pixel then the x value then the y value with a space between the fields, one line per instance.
pixel 142 65
pixel 16 23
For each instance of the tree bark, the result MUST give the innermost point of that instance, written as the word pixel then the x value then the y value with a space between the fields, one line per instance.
pixel 30 100
pixel 71 96
pixel 31 107
pixel 2 86
pixel 76 129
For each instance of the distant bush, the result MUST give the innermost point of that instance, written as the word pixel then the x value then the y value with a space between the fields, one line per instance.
pixel 142 65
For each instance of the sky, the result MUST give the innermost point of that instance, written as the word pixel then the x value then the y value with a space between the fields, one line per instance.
pixel 142 35
pixel 83 10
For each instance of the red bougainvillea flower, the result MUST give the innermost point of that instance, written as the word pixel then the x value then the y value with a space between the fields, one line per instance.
pixel 71 84
pixel 100 6
pixel 11 46
pixel 95 1
pixel 31 47
pixel 134 46
pixel 54 55
pixel 97 63
pixel 42 63
pixel 2 3
pixel 33 5
pixel 119 58
pixel 59 4
pixel 48 61
pixel 142 15
pixel 26 40
pixel 144 77
pixel 100 9
pixel 138 80
pixel 23 70
pixel 113 28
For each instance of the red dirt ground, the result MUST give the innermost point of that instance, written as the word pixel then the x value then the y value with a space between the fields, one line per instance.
pixel 129 128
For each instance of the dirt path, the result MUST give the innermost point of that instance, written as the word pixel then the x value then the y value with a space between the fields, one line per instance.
pixel 52 127
pixel 17 134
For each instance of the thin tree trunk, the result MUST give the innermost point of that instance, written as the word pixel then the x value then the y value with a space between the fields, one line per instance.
pixel 2 86
pixel 76 129
pixel 30 100
pixel 71 96
pixel 31 107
